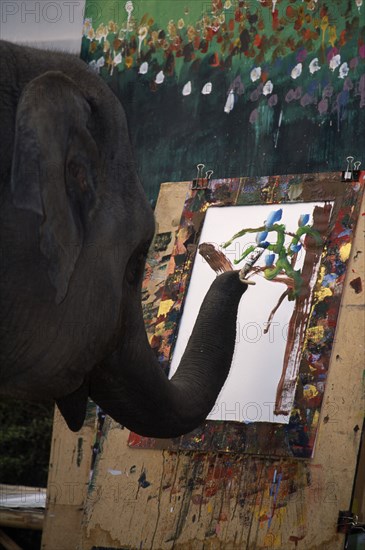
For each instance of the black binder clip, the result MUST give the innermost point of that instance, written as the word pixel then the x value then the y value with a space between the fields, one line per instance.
pixel 352 172
pixel 201 181
pixel 348 523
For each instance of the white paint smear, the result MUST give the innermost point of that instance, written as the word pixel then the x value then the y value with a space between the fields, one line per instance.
pixel 268 88
pixel 207 88
pixel 187 88
pixel 335 62
pixel 160 77
pixel 143 68
pixel 255 73
pixel 344 70
pixel 229 103
pixel 296 71
pixel 314 65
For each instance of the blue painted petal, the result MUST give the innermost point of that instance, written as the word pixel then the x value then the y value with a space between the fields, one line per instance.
pixel 261 236
pixel 274 217
pixel 295 247
pixel 263 244
pixel 269 260
pixel 303 220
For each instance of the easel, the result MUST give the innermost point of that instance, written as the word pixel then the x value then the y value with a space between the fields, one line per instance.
pixel 142 498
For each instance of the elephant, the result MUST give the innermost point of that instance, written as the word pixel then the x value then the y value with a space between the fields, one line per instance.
pixel 76 227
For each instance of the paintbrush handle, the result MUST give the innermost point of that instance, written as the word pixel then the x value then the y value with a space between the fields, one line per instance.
pixel 252 259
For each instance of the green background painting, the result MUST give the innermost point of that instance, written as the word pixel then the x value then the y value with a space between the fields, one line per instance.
pixel 247 87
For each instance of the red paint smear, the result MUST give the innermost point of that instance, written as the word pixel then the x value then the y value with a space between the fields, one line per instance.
pixel 298 23
pixel 238 15
pixel 257 41
pixel 343 38
pixel 275 19
pixel 209 33
pixel 333 51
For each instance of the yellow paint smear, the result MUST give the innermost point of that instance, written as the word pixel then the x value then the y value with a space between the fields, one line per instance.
pixel 315 334
pixel 332 35
pixel 315 419
pixel 165 307
pixel 310 391
pixel 272 540
pixel 322 293
pixel 345 252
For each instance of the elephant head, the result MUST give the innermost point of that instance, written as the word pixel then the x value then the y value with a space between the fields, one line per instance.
pixel 76 228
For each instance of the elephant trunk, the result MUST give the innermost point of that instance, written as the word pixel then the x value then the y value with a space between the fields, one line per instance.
pixel 132 388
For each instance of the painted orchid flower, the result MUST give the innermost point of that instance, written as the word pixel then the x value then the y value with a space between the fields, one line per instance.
pixel 274 217
pixel 295 247
pixel 303 220
pixel 269 260
pixel 260 237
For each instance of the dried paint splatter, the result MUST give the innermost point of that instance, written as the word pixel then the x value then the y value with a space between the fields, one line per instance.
pixel 356 284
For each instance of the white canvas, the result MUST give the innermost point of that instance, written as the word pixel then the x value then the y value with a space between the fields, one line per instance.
pixel 249 392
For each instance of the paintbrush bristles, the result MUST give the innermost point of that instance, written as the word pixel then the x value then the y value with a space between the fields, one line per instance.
pixel 215 258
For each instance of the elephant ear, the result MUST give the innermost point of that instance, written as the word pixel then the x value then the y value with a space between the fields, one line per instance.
pixel 54 170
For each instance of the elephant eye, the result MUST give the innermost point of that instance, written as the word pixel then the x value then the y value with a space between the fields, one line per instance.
pixel 78 175
pixel 135 266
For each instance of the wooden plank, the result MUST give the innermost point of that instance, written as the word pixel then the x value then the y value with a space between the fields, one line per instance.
pixel 68 478
pixel 143 498
pixel 358 504
pixel 22 507
pixel 22 518
pixel 7 543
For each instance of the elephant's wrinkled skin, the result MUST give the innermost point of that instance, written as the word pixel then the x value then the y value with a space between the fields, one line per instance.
pixel 75 230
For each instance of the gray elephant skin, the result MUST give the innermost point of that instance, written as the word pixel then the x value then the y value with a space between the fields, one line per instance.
pixel 75 230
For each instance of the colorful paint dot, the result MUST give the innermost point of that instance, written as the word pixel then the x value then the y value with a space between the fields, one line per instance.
pixel 296 71
pixel 229 103
pixel 344 70
pixel 207 88
pixel 160 77
pixel 345 252
pixel 255 74
pixel 268 88
pixel 335 62
pixel 143 68
pixel 187 88
pixel 314 65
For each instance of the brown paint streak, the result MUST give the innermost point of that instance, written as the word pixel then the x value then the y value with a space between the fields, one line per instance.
pixel 295 539
pixel 299 319
pixel 215 258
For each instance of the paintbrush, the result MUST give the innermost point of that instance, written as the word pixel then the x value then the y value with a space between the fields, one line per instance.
pixel 252 259
pixel 219 262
